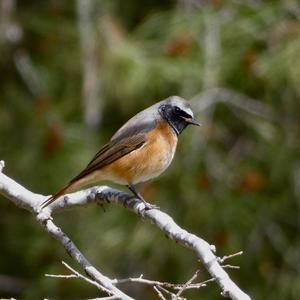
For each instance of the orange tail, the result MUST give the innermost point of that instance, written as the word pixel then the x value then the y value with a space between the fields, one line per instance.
pixel 55 196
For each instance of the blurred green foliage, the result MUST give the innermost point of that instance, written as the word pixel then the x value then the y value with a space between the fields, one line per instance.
pixel 235 181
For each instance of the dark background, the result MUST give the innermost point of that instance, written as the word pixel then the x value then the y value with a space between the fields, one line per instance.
pixel 73 71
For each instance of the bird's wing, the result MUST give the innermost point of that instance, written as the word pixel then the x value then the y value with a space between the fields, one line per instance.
pixel 108 154
pixel 130 140
pixel 127 139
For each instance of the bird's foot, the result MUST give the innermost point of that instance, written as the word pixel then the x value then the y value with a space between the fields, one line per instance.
pixel 149 206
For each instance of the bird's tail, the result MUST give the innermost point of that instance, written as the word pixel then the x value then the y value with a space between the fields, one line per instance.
pixel 55 196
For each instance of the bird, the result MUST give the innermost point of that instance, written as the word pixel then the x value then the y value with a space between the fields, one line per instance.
pixel 142 149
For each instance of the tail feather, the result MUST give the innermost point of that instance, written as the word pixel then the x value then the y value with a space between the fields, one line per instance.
pixel 55 196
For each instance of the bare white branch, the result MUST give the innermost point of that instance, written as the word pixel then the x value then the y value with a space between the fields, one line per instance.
pixel 173 296
pixel 61 276
pixel 159 293
pixel 230 267
pixel 30 201
pixel 102 195
pixel 78 275
pixel 222 259
pixel 187 283
pixel 168 285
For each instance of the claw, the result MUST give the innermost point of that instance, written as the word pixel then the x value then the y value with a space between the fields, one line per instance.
pixel 148 206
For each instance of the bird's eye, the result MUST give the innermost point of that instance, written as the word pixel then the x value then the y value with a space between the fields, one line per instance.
pixel 176 110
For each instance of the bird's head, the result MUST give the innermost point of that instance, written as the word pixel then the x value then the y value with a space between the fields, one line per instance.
pixel 178 113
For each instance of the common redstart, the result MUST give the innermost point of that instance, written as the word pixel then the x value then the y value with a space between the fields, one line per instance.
pixel 140 150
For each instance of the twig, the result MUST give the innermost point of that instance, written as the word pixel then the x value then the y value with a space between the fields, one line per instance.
pixel 146 282
pixel 61 276
pixel 200 284
pixel 162 289
pixel 175 286
pixel 78 275
pixel 154 283
pixel 159 293
pixel 222 259
pixel 187 283
pixel 230 267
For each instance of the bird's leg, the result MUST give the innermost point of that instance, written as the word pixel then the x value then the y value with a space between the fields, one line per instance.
pixel 148 206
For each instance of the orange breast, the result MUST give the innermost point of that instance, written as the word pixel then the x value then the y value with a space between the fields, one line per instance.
pixel 147 162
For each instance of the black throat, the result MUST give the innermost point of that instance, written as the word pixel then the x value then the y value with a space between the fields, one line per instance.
pixel 176 122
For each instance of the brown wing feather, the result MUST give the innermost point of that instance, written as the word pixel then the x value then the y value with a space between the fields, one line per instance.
pixel 111 152
pixel 107 154
pixel 126 140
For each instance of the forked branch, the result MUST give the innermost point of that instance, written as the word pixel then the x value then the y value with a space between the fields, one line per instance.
pixel 101 195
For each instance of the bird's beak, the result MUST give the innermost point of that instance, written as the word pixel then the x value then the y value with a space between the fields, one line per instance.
pixel 192 121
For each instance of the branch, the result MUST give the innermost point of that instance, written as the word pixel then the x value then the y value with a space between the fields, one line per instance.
pixel 30 201
pixel 75 275
pixel 158 286
pixel 102 195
